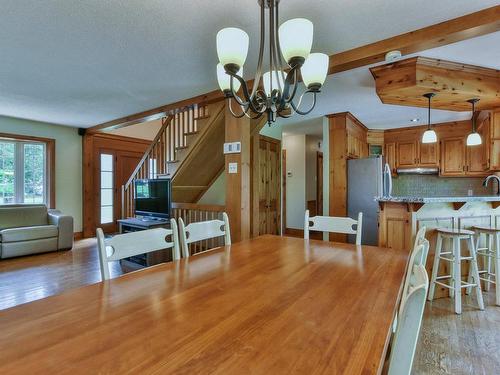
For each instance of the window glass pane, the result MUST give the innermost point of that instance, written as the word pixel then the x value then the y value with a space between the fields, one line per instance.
pixel 106 162
pixel 106 197
pixel 106 180
pixel 107 189
pixel 106 214
pixel 34 171
pixel 7 168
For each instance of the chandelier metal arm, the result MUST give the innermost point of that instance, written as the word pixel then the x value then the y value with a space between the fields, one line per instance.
pixel 296 107
pixel 258 73
pixel 277 45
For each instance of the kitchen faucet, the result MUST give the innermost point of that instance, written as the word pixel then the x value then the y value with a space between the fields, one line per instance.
pixel 487 179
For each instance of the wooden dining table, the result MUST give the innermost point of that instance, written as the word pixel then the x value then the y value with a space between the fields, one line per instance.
pixel 269 305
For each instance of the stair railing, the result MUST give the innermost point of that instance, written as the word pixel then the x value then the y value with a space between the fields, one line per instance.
pixel 161 153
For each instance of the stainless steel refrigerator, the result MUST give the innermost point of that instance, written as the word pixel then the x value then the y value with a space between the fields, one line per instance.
pixel 366 179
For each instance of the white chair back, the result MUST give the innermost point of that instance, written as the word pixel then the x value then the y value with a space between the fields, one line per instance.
pixel 130 244
pixel 203 230
pixel 344 225
pixel 421 240
pixel 408 328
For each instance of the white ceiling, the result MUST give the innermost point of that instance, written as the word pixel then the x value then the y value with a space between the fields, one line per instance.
pixel 81 63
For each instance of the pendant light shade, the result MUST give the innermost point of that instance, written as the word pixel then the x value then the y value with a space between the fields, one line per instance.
pixel 267 77
pixel 429 135
pixel 474 138
pixel 224 79
pixel 232 46
pixel 296 37
pixel 315 69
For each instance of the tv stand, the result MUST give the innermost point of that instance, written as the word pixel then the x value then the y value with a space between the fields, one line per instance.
pixel 134 224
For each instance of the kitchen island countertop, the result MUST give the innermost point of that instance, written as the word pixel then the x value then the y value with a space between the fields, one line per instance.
pixel 450 199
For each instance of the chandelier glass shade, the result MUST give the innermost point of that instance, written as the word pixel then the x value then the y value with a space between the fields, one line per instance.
pixel 274 90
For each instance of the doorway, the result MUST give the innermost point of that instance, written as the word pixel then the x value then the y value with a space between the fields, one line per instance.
pixel 269 179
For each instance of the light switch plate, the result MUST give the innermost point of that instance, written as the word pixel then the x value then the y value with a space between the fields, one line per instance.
pixel 232 148
pixel 233 168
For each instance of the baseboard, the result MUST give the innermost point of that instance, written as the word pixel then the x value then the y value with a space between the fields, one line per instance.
pixel 78 236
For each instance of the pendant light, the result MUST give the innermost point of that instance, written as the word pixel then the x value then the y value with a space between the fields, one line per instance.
pixel 429 135
pixel 473 139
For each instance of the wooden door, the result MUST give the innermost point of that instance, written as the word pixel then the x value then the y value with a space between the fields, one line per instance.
pixel 269 186
pixel 390 155
pixel 319 183
pixel 453 156
pixel 407 154
pixel 429 154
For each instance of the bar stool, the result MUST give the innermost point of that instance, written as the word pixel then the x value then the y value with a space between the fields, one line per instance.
pixel 454 256
pixel 489 252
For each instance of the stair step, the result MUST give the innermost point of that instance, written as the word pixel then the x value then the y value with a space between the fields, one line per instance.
pixel 202 117
pixel 191 133
pixel 181 147
pixel 172 161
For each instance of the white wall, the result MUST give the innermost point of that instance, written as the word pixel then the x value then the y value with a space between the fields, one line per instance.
pixel 146 130
pixel 325 145
pixel 68 161
pixel 295 146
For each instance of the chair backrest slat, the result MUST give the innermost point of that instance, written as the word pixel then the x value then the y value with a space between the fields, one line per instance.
pixel 203 230
pixel 409 323
pixel 131 244
pixel 332 224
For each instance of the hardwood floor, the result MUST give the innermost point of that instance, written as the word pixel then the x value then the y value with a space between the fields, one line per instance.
pixel 449 343
pixel 459 344
pixel 29 278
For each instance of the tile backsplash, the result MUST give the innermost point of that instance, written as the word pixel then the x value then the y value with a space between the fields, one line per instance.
pixel 428 186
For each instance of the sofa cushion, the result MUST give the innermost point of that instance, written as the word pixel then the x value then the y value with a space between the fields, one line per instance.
pixel 23 216
pixel 28 233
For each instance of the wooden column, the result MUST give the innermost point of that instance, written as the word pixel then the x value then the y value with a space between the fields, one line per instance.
pixel 238 184
pixel 338 170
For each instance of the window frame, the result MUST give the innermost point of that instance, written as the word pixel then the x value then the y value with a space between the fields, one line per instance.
pixel 50 162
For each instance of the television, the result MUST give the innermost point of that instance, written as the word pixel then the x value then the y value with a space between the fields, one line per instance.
pixel 153 198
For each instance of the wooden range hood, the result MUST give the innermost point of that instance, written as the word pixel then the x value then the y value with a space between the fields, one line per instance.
pixel 405 81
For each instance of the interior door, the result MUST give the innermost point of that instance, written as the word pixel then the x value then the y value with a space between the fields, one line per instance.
pixel 269 186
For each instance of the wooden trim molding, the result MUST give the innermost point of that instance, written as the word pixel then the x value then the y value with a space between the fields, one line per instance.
pixel 475 24
pixel 50 153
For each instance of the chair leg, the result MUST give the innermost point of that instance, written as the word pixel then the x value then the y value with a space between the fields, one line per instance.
pixel 470 279
pixel 451 292
pixel 437 253
pixel 457 275
pixel 489 240
pixel 497 268
pixel 475 273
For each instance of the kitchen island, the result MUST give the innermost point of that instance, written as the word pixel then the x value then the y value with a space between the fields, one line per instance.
pixel 401 217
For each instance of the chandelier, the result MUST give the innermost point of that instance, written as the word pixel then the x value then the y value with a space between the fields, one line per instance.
pixel 273 92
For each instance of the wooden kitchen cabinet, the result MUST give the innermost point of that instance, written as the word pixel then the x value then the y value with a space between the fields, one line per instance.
pixel 390 155
pixel 407 154
pixel 494 141
pixel 453 156
pixel 428 154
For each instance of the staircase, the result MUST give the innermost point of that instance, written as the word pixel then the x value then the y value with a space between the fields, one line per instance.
pixel 188 149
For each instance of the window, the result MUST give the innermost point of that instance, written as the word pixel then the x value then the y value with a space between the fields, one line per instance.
pixel 107 189
pixel 24 173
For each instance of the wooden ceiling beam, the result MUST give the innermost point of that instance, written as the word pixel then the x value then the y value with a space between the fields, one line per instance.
pixel 462 28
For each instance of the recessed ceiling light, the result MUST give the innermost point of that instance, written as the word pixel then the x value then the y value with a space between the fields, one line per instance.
pixel 415 120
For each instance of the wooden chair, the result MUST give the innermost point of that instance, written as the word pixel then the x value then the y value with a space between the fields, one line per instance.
pixel 333 224
pixel 203 230
pixel 126 245
pixel 405 339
